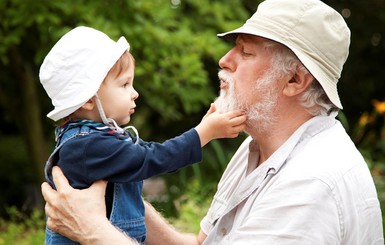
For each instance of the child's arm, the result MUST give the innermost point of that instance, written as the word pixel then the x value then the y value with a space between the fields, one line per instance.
pixel 135 162
pixel 220 125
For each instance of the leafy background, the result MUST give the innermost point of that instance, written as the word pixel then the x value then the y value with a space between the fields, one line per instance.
pixel 176 51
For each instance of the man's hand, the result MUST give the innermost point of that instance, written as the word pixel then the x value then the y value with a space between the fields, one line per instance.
pixel 71 212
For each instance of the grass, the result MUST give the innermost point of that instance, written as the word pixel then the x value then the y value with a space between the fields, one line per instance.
pixel 22 229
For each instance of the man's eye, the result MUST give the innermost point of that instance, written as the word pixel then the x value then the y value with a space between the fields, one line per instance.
pixel 244 52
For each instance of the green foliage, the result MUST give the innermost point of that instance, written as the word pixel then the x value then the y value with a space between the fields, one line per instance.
pixel 16 174
pixel 21 229
pixel 192 206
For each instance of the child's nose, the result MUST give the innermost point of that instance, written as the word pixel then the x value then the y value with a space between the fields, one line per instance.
pixel 135 95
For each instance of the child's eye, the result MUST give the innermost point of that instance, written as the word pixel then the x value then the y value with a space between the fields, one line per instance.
pixel 126 84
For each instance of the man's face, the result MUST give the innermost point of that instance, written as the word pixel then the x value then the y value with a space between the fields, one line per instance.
pixel 247 82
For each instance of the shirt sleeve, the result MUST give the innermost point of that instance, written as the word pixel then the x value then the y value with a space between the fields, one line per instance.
pixel 102 156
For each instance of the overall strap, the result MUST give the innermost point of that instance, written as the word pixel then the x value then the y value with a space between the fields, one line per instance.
pixel 64 134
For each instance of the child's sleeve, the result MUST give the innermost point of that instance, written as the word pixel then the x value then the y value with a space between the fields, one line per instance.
pixel 105 157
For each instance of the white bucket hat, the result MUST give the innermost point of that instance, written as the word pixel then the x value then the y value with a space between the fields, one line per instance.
pixel 76 66
pixel 315 32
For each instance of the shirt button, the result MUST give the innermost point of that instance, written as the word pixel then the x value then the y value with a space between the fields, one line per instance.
pixel 224 231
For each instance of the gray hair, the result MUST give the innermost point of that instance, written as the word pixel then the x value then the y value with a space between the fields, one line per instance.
pixel 314 100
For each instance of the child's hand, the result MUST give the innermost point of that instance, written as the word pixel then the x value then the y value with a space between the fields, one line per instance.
pixel 220 125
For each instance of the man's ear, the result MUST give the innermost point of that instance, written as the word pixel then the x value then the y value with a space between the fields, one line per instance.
pixel 298 83
pixel 89 105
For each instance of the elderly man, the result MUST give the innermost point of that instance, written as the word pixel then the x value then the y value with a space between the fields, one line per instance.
pixel 298 178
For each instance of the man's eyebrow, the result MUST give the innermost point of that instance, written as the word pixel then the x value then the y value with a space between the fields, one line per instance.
pixel 239 40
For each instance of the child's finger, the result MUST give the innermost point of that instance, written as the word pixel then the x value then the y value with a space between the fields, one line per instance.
pixel 211 110
pixel 238 120
pixel 235 113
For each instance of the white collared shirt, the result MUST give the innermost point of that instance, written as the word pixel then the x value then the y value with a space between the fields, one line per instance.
pixel 315 189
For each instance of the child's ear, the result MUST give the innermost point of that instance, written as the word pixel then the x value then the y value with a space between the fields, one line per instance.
pixel 89 105
pixel 298 83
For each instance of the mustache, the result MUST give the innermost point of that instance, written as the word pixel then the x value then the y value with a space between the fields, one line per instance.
pixel 225 76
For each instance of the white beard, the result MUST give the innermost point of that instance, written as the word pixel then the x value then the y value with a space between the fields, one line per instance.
pixel 260 115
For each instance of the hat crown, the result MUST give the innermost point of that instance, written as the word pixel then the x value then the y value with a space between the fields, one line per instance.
pixel 75 67
pixel 315 27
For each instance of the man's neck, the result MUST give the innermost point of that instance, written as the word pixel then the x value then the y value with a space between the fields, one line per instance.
pixel 271 138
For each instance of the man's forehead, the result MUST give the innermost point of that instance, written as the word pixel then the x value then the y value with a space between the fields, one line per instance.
pixel 247 38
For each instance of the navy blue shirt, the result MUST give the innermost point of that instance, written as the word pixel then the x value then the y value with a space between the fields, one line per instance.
pixel 87 151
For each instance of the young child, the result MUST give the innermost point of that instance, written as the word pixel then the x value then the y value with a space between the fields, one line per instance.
pixel 89 78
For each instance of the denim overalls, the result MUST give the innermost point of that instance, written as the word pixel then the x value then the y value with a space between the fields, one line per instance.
pixel 127 210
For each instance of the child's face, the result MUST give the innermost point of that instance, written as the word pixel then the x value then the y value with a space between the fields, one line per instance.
pixel 117 93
